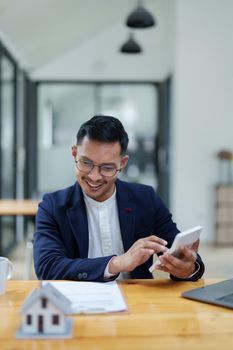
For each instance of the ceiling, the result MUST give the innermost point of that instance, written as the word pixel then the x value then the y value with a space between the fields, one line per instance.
pixel 39 33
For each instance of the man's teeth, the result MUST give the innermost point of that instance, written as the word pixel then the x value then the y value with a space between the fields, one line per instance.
pixel 94 186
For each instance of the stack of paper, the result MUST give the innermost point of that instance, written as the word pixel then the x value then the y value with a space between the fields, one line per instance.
pixel 92 297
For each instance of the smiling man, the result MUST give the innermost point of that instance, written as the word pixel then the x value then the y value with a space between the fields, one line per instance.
pixel 102 228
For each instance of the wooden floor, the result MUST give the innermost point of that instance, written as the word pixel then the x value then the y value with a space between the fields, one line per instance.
pixel 218 261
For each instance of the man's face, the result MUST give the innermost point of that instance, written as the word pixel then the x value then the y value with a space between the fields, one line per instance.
pixel 93 184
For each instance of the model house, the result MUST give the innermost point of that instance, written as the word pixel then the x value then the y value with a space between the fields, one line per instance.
pixel 44 314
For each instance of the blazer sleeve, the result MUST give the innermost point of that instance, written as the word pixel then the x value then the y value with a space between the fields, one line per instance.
pixel 52 257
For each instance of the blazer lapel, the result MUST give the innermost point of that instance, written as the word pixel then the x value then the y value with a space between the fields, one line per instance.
pixel 127 215
pixel 77 217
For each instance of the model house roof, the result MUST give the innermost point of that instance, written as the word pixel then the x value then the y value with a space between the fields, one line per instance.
pixel 51 293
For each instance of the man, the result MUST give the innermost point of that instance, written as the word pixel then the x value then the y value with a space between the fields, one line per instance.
pixel 101 226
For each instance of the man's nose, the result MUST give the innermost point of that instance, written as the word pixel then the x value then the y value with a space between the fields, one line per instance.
pixel 94 174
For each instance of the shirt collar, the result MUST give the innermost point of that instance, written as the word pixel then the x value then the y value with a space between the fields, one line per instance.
pixel 88 200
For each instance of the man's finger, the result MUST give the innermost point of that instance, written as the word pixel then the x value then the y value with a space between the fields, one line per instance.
pixel 195 245
pixel 156 239
pixel 189 254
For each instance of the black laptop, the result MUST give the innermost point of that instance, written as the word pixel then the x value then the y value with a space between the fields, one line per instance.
pixel 220 293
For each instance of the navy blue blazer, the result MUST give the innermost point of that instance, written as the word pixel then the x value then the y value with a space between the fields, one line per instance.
pixel 61 237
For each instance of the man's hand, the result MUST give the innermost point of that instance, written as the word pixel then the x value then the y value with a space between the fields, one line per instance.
pixel 138 253
pixel 182 266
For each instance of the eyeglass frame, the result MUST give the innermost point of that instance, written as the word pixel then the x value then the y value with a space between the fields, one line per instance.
pixel 96 165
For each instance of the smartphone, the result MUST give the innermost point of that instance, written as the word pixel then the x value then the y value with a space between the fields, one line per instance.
pixel 185 238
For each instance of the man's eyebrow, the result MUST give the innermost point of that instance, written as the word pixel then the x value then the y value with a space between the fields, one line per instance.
pixel 102 164
pixel 85 158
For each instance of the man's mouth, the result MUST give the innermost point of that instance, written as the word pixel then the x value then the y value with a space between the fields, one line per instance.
pixel 93 186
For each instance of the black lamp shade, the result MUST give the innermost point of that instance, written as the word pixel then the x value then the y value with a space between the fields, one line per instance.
pixel 131 46
pixel 140 18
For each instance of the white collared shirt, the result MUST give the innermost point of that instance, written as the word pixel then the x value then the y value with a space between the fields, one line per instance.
pixel 103 229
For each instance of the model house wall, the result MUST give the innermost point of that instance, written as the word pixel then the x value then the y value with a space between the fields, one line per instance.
pixel 44 312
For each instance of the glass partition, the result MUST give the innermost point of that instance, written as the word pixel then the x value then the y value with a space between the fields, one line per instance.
pixel 62 108
pixel 8 130
pixel 7 147
pixel 136 106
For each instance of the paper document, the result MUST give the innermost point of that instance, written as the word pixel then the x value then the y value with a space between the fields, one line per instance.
pixel 92 297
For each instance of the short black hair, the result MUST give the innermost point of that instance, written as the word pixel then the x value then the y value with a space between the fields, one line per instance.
pixel 104 128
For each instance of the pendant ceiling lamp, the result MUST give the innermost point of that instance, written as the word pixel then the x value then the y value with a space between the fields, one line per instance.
pixel 131 46
pixel 140 18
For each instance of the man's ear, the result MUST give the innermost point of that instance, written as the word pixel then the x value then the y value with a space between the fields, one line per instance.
pixel 124 161
pixel 74 151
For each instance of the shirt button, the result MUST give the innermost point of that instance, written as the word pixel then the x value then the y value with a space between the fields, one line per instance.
pixel 84 275
pixel 80 276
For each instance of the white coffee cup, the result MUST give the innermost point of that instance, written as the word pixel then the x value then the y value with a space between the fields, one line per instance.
pixel 6 270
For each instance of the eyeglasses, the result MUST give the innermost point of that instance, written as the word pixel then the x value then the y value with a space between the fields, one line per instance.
pixel 86 166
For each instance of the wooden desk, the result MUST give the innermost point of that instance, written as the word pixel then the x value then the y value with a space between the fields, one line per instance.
pixel 18 207
pixel 158 318
pixel 25 207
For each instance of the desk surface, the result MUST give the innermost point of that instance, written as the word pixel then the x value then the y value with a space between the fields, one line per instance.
pixel 158 318
pixel 18 207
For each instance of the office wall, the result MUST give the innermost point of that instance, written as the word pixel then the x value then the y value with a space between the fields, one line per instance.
pixel 203 107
